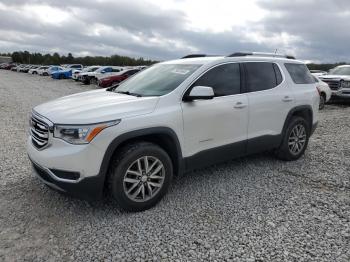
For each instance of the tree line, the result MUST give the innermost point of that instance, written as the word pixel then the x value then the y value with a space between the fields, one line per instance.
pixel 325 67
pixel 25 57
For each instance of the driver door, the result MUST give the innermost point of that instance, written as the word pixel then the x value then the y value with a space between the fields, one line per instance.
pixel 216 129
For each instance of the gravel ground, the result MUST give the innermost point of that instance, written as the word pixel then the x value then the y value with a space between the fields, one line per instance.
pixel 252 209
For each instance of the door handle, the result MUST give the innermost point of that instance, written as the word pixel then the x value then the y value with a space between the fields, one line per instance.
pixel 287 99
pixel 240 105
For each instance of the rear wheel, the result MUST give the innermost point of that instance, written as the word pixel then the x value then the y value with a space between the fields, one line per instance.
pixel 140 176
pixel 295 140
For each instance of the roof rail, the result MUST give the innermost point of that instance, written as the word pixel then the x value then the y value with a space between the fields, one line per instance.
pixel 237 54
pixel 194 56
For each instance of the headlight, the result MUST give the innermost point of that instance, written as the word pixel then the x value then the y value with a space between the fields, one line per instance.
pixel 345 84
pixel 81 134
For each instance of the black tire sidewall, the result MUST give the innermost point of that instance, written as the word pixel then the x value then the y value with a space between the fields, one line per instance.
pixel 322 102
pixel 122 164
pixel 284 151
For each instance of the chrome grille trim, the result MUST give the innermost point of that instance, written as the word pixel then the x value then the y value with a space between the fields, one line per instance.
pixel 333 84
pixel 39 131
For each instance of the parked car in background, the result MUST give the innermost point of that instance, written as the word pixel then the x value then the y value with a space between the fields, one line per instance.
pixel 20 68
pixel 338 81
pixel 75 66
pixel 81 75
pixel 75 74
pixel 116 78
pixel 50 70
pixel 324 91
pixel 318 72
pixel 14 68
pixel 8 66
pixel 32 67
pixel 41 70
pixel 92 77
pixel 36 70
pixel 173 117
pixel 64 73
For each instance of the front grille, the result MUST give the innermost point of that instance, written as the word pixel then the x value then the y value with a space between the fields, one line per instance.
pixel 39 132
pixel 333 84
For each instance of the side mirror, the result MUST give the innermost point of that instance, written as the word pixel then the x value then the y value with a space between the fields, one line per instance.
pixel 200 93
pixel 103 71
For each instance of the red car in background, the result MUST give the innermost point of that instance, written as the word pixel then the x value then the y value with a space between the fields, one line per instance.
pixel 115 79
pixel 7 66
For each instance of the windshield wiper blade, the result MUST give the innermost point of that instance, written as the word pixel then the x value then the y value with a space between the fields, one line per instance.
pixel 112 88
pixel 129 93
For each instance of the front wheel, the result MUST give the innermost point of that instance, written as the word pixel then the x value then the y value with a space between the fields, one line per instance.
pixel 140 176
pixel 295 140
pixel 322 102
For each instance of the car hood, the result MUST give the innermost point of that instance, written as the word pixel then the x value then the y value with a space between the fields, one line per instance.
pixel 335 77
pixel 95 106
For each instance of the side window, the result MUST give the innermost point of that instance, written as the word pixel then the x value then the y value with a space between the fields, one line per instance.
pixel 261 76
pixel 299 73
pixel 279 77
pixel 224 79
pixel 108 69
pixel 115 70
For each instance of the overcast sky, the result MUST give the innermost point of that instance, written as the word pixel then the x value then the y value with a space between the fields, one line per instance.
pixel 312 30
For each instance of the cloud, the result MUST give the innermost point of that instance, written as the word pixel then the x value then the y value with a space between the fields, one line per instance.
pixel 310 29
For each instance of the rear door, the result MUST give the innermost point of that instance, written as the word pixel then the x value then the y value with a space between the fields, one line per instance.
pixel 270 100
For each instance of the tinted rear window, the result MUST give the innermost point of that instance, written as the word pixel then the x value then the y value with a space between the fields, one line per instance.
pixel 299 73
pixel 262 76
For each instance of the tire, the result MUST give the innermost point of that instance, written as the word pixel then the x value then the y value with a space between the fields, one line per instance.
pixel 288 151
pixel 35 73
pixel 322 101
pixel 86 80
pixel 126 187
pixel 93 81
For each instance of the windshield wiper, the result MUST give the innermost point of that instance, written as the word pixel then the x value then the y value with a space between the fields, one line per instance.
pixel 129 93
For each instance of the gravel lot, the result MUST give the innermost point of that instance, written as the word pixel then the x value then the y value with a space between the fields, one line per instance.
pixel 251 209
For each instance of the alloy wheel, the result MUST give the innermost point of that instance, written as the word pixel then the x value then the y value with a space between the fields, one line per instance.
pixel 297 139
pixel 144 178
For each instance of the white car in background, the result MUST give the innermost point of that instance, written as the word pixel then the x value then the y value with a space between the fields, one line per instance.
pixel 93 77
pixel 338 81
pixel 48 71
pixel 35 71
pixel 324 91
pixel 77 76
pixel 318 72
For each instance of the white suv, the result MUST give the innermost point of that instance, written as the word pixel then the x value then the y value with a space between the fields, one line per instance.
pixel 173 117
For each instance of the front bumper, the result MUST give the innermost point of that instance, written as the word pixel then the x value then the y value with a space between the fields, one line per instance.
pixel 341 93
pixel 57 164
pixel 89 188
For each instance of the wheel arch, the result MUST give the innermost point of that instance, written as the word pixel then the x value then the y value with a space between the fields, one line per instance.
pixel 304 111
pixel 164 137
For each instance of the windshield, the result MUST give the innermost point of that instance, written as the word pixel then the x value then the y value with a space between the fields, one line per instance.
pixel 92 69
pixel 99 70
pixel 340 71
pixel 157 80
